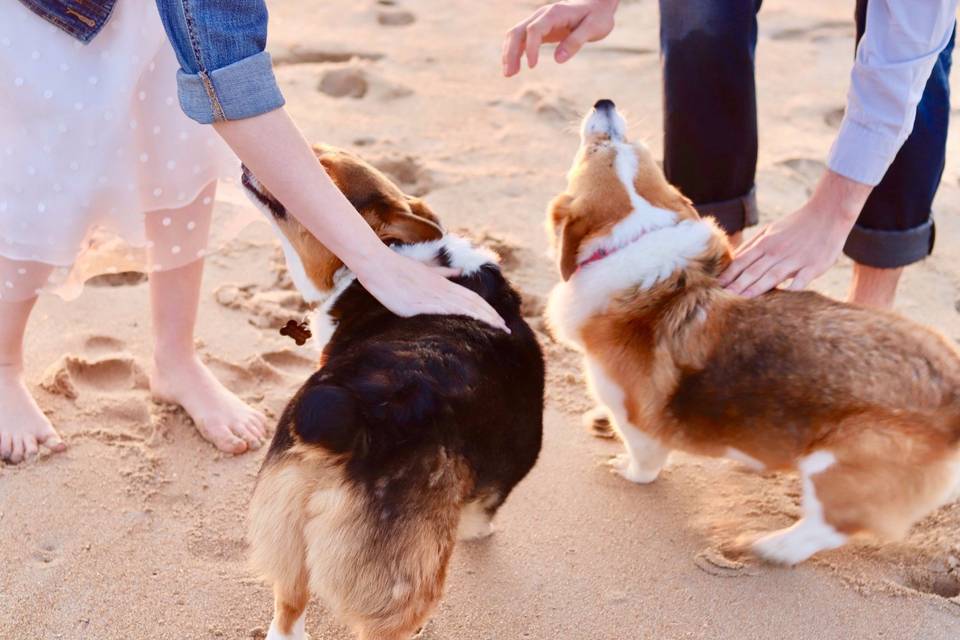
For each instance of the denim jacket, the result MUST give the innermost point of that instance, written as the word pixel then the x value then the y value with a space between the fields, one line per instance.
pixel 225 73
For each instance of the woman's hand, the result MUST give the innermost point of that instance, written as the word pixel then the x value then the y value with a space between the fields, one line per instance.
pixel 273 148
pixel 572 23
pixel 802 245
pixel 408 288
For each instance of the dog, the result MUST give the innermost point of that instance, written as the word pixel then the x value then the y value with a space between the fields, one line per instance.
pixel 863 403
pixel 411 434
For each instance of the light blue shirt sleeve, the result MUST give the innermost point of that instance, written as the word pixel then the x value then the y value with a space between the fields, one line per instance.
pixel 899 48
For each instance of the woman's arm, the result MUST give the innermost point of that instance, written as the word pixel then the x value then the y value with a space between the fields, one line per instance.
pixel 226 78
pixel 404 286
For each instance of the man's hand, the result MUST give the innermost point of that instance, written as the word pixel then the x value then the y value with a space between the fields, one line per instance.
pixel 802 245
pixel 572 23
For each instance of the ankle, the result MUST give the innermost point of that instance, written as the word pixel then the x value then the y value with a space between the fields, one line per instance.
pixel 874 287
pixel 170 356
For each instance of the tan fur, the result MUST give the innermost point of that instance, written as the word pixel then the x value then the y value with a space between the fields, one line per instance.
pixel 313 532
pixel 777 377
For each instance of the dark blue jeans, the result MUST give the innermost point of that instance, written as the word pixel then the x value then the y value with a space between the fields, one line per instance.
pixel 710 132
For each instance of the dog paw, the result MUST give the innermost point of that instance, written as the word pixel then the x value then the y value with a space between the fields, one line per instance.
pixel 626 467
pixel 780 548
pixel 597 422
pixel 795 544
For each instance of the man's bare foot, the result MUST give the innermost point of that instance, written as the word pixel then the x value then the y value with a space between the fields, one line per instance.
pixel 22 424
pixel 222 418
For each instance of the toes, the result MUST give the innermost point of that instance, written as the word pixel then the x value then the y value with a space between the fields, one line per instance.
pixel 249 434
pixel 29 447
pixel 16 456
pixel 222 438
pixel 52 440
pixel 6 446
pixel 260 424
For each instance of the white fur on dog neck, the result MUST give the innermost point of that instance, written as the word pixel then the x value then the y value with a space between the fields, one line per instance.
pixel 641 264
pixel 463 256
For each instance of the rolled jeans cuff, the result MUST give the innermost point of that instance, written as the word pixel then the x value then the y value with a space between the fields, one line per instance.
pixel 885 249
pixel 244 89
pixel 733 215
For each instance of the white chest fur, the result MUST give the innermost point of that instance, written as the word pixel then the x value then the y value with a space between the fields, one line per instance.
pixel 641 264
pixel 462 255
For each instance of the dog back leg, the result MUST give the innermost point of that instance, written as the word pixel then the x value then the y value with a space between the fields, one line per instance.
pixel 290 604
pixel 278 551
pixel 876 473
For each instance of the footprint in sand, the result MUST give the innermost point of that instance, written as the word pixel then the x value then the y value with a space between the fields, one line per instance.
pixel 290 362
pixel 807 169
pixel 395 18
pixel 122 279
pixel 102 345
pixel 816 31
pixel 718 563
pixel 268 309
pixel 216 546
pixel 46 554
pixel 937 579
pixel 298 54
pixel 546 102
pixel 834 117
pixel 408 172
pixel 357 82
pixel 71 374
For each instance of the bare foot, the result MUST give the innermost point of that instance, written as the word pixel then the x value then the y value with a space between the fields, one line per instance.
pixel 222 418
pixel 22 426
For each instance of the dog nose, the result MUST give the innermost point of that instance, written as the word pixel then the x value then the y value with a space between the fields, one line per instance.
pixel 604 105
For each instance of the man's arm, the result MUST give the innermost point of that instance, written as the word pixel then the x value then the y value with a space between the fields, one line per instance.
pixel 894 59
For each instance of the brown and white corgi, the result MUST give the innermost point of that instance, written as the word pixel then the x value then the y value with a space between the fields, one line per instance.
pixel 864 403
pixel 412 433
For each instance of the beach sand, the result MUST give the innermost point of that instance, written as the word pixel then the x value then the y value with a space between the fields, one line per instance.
pixel 137 531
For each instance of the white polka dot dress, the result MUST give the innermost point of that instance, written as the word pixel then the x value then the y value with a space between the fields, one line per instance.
pixel 96 158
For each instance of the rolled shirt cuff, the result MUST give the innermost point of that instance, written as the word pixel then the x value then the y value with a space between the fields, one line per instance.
pixel 861 154
pixel 243 89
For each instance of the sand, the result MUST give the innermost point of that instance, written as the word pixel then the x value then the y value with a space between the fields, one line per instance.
pixel 137 531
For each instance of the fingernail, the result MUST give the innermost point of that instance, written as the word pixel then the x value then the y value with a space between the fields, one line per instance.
pixel 562 55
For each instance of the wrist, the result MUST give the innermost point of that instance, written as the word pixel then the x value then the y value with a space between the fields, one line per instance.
pixel 840 197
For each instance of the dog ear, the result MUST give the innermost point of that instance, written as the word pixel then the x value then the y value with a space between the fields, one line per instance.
pixel 409 228
pixel 568 233
pixel 420 208
pixel 571 237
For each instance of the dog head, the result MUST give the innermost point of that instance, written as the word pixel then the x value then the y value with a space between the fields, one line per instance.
pixel 395 217
pixel 611 178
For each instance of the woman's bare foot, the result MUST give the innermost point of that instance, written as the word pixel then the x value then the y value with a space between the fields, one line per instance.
pixel 22 424
pixel 222 418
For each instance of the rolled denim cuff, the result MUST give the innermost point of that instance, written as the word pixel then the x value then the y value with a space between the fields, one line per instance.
pixel 733 215
pixel 244 89
pixel 883 249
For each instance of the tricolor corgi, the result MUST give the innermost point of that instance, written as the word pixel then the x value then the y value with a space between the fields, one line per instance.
pixel 411 434
pixel 863 403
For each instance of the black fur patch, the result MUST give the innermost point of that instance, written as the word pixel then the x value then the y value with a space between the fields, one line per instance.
pixel 397 395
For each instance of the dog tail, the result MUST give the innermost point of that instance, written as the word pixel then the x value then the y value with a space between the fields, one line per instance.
pixel 328 415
